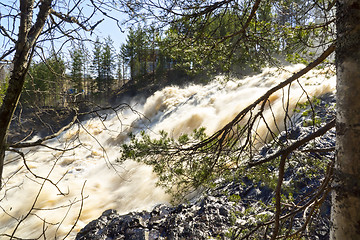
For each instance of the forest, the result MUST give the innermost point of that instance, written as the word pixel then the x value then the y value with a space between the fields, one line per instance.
pixel 232 119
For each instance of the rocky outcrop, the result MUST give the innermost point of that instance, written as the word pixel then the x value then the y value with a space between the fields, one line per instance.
pixel 209 217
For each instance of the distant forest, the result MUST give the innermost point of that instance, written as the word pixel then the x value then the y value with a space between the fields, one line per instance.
pixel 150 57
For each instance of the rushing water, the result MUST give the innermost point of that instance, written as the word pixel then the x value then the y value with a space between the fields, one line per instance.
pixel 87 177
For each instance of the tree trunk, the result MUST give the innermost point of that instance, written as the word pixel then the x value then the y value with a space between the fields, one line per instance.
pixel 28 34
pixel 346 188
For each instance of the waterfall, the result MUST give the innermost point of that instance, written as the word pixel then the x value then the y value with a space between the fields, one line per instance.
pixel 87 176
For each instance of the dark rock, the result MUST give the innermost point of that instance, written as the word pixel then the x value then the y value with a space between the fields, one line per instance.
pixel 136 234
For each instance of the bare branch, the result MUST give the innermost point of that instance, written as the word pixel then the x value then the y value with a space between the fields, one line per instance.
pixel 38 176
pixel 80 211
pixel 7 53
pixel 69 19
pixel 278 195
pixel 6 34
pixel 45 179
pixel 40 141
pixel 247 23
pixel 295 145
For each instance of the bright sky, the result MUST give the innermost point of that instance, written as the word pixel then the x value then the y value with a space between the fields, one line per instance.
pixel 106 28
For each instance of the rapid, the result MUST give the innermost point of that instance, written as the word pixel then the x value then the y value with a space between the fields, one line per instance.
pixel 85 178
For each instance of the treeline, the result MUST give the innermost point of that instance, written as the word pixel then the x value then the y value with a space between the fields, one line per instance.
pixel 189 46
pixel 86 75
pixel 97 74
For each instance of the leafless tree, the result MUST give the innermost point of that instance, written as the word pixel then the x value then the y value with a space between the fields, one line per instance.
pixel 29 29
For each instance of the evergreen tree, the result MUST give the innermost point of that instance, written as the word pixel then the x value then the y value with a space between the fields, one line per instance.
pixel 137 51
pixel 77 67
pixel 107 66
pixel 128 52
pixel 96 64
pixel 103 64
pixel 44 83
pixel 120 70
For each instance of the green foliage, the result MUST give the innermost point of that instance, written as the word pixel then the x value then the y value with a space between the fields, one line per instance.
pixel 77 68
pixel 265 174
pixel 313 103
pixel 234 198
pixel 307 109
pixel 108 66
pixel 143 52
pixel 136 51
pixel 44 83
pixel 96 61
pixel 316 121
pixel 182 170
pixel 257 213
pixel 216 41
pixel 244 221
pixel 179 171
pixel 103 65
pixel 204 45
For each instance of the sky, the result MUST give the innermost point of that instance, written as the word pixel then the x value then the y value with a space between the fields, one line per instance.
pixel 106 28
pixel 109 28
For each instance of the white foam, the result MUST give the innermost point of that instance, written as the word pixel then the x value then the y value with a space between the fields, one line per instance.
pixel 130 186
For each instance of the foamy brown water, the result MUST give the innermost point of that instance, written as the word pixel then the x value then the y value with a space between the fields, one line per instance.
pixel 91 178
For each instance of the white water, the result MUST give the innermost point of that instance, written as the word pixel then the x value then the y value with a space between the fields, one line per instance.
pixel 130 186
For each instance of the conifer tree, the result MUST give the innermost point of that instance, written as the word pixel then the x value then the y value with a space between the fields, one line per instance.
pixel 77 67
pixel 137 51
pixel 107 66
pixel 103 64
pixel 128 51
pixel 44 83
pixel 120 70
pixel 96 64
